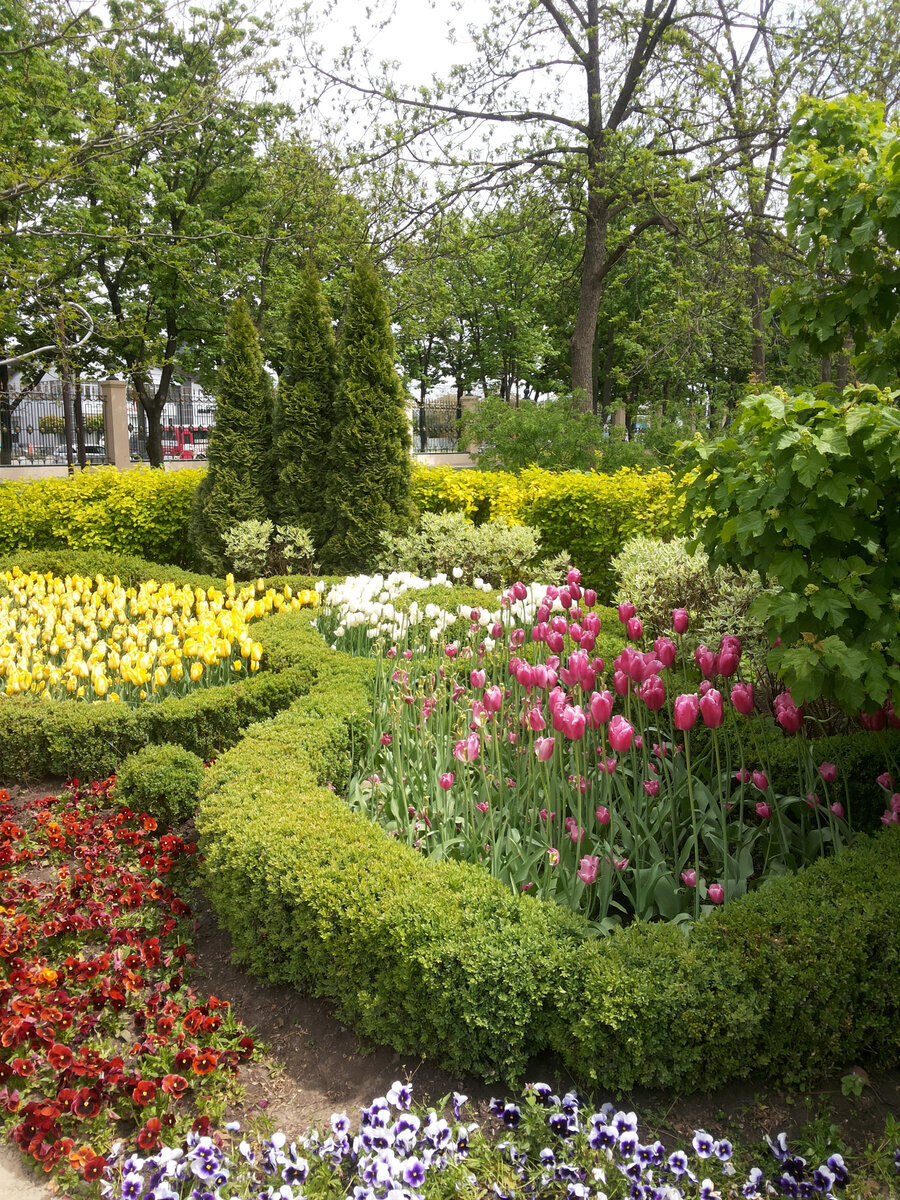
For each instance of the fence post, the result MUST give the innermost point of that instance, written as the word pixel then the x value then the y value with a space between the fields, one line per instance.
pixel 115 422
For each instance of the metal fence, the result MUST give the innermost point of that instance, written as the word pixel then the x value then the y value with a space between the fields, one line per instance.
pixel 33 425
pixel 187 419
pixel 436 426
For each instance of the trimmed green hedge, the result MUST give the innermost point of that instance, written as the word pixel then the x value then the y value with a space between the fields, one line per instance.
pixel 443 961
pixel 859 757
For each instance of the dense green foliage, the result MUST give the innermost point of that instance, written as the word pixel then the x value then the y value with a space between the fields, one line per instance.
pixel 554 435
pixel 162 780
pixel 369 463
pixel 105 511
pixel 806 490
pixel 844 210
pixel 237 485
pixel 304 413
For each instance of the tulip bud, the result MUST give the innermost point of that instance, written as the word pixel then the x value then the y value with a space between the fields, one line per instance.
pixel 689 878
pixel 573 576
pixel 712 709
pixel 828 771
pixel 760 780
pixel 763 810
pixel 493 698
pixel 536 720
pixel 634 628
pixel 626 612
pixel 543 748
pixel 620 734
pixel 590 597
pixel 601 704
pixel 680 620
pixel 477 679
pixel 446 780
pixel 603 816
pixel 716 893
pixel 742 698
pixel 686 707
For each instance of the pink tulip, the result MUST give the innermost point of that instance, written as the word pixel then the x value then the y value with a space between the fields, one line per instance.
pixel 553 856
pixel 587 868
pixel 635 629
pixel 601 704
pixel 812 799
pixel 576 633
pixel 828 771
pixel 689 878
pixel 705 660
pixel 446 780
pixel 493 698
pixel 760 780
pixel 787 714
pixel 729 656
pixel 565 598
pixel 543 748
pixel 686 707
pixel 716 893
pixel 451 650
pixel 651 787
pixel 620 734
pixel 838 809
pixel 763 810
pixel 626 612
pixel 653 693
pixel 482 806
pixel 742 776
pixel 545 816
pixel 590 597
pixel 742 698
pixel 603 815
pixel 386 739
pixel 680 620
pixel 536 720
pixel 573 575
pixel 467 749
pixel 574 722
pixel 875 721
pixel 705 686
pixel 620 683
pixel 576 834
pixel 555 642
pixel 477 679
pixel 519 591
pixel 886 781
pixel 665 650
pixel 712 709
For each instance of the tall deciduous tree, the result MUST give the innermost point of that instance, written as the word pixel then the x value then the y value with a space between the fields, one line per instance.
pixel 305 409
pixel 238 484
pixel 370 465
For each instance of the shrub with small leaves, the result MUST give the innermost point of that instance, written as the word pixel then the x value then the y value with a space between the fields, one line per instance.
pixel 445 542
pixel 294 545
pixel 163 781
pixel 247 547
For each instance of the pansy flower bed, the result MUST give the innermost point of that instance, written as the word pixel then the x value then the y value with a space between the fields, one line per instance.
pixel 99 1030
pixel 546 1146
pixel 502 738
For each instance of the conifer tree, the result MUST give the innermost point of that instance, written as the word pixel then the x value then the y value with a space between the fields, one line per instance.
pixel 238 478
pixel 370 468
pixel 304 412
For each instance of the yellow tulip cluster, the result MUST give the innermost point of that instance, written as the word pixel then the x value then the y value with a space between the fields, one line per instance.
pixel 93 639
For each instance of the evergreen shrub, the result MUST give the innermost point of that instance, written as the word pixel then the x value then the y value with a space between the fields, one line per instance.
pixel 494 552
pixel 163 781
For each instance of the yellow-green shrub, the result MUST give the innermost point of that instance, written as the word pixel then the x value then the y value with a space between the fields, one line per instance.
pixel 139 512
pixel 587 514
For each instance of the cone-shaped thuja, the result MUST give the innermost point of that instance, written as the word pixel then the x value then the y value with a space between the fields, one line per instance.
pixel 370 468
pixel 305 411
pixel 238 477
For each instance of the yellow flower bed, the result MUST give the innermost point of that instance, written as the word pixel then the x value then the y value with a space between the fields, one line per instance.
pixel 94 639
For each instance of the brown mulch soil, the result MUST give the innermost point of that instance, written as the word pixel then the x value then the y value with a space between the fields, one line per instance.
pixel 314 1065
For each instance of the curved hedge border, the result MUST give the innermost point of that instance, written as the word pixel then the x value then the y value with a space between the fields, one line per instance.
pixel 795 979
pixel 39 739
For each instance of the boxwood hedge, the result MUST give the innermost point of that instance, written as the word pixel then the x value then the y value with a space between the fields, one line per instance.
pixel 794 980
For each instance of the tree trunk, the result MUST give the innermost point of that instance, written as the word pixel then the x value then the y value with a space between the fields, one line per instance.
pixel 581 345
pixel 757 307
pixel 5 419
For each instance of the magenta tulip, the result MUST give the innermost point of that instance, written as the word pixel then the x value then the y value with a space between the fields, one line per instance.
pixel 477 679
pixel 651 787
pixel 574 722
pixel 653 693
pixel 573 575
pixel 635 628
pixel 665 650
pixel 763 810
pixel 689 878
pixel 620 683
pixel 716 893
pixel 705 660
pixel 680 620
pixel 712 709
pixel 519 591
pixel 760 780
pixel 626 612
pixel 590 597
pixel 601 704
pixel 686 707
pixel 565 598
pixel 603 815
pixel 837 808
pixel 828 771
pixel 446 780
pixel 543 748
pixel 536 720
pixel 620 734
pixel 742 698
pixel 493 698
